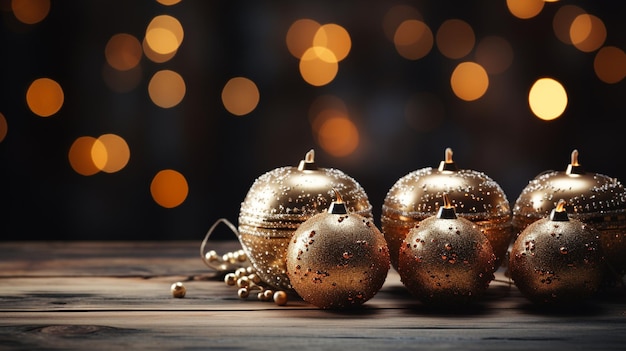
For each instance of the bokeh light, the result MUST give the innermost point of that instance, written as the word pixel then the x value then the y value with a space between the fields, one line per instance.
pixel 155 56
pixel 525 9
pixel 300 36
pixel 413 39
pixel 123 51
pixel 335 38
pixel 332 127
pixel 4 127
pixel 547 99
pixel 395 16
pixel 469 81
pixel 30 11
pixel 80 156
pixel 44 97
pixel 110 153
pixel 318 66
pixel 562 21
pixel 610 64
pixel 324 107
pixel 166 88
pixel 164 34
pixel 455 38
pixel 338 135
pixel 168 2
pixel 587 33
pixel 240 96
pixel 169 188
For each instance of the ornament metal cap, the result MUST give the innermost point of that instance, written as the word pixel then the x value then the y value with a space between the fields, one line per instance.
pixel 574 168
pixel 309 162
pixel 448 164
pixel 559 214
pixel 337 206
pixel 447 210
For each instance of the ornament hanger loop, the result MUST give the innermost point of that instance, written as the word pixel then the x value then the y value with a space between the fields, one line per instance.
pixel 227 262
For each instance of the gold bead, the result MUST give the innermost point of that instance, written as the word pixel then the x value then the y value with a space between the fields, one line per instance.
pixel 267 295
pixel 243 293
pixel 211 256
pixel 240 272
pixel 230 279
pixel 178 290
pixel 243 282
pixel 280 298
pixel 241 256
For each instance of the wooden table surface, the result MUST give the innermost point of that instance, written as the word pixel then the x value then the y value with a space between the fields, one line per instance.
pixel 116 295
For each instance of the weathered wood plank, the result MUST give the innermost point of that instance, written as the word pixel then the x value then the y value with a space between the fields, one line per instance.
pixel 105 258
pixel 131 293
pixel 76 296
pixel 370 329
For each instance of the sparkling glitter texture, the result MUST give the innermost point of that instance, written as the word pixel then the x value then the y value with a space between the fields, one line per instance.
pixel 337 259
pixel 446 260
pixel 475 196
pixel 557 260
pixel 282 199
pixel 595 199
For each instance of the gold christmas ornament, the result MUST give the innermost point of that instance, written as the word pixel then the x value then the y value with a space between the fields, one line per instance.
pixel 445 259
pixel 592 198
pixel 337 259
pixel 419 194
pixel 282 199
pixel 557 259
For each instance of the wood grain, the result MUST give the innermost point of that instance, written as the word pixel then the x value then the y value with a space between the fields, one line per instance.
pixel 114 295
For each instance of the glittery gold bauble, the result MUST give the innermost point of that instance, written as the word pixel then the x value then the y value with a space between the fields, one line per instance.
pixel 446 259
pixel 557 259
pixel 419 194
pixel 592 198
pixel 337 259
pixel 279 201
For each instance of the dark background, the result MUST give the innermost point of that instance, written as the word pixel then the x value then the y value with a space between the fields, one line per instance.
pixel 221 155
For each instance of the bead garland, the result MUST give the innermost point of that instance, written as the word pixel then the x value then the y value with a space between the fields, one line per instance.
pixel 248 281
pixel 238 270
